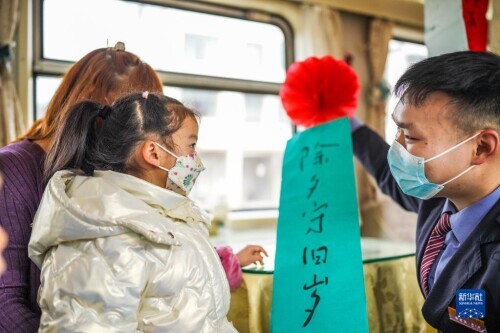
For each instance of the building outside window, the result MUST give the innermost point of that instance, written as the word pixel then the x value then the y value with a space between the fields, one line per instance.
pixel 213 59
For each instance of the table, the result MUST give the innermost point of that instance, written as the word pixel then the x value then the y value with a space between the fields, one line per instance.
pixel 392 293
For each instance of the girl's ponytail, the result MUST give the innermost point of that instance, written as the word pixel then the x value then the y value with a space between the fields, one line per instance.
pixel 75 141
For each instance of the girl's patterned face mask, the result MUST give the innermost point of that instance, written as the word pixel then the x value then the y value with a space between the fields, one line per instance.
pixel 182 176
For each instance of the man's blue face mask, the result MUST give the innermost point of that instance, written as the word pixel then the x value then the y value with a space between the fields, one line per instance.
pixel 409 170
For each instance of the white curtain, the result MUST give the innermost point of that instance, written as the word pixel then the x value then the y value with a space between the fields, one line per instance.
pixel 321 33
pixel 376 93
pixel 12 119
pixel 378 47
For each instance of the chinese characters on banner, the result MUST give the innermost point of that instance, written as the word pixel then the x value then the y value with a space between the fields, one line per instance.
pixel 318 278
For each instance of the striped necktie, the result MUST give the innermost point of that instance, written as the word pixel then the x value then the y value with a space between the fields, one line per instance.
pixel 434 246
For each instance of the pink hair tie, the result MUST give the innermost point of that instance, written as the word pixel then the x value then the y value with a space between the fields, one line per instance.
pixel 145 94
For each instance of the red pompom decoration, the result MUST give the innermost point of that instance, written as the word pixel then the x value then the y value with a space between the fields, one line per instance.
pixel 318 90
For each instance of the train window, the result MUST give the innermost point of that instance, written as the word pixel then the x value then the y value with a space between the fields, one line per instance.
pixel 169 39
pixel 45 87
pixel 402 54
pixel 226 63
pixel 241 141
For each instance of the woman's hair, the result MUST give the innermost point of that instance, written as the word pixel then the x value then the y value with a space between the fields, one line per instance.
pixel 93 136
pixel 103 75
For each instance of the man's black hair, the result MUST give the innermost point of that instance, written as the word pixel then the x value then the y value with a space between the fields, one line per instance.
pixel 470 79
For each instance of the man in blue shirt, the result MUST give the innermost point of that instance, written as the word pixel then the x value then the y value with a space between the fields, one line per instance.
pixel 445 165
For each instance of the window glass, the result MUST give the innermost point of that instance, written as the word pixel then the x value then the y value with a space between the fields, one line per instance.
pixel 46 87
pixel 242 134
pixel 173 40
pixel 212 183
pixel 203 101
pixel 401 56
pixel 253 107
pixel 261 178
pixel 241 143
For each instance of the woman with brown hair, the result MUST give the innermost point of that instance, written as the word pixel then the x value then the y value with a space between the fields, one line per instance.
pixel 103 76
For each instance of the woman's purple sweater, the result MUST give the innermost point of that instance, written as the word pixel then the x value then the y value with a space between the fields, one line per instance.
pixel 21 164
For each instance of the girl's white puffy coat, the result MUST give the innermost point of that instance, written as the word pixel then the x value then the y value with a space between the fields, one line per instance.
pixel 119 254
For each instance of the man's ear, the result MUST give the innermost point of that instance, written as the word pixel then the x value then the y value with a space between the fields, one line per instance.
pixel 488 145
pixel 149 153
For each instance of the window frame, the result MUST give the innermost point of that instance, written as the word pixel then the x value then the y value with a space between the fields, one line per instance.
pixel 52 67
pixel 406 35
pixel 56 68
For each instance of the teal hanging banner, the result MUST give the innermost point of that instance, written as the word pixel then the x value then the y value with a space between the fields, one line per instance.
pixel 318 278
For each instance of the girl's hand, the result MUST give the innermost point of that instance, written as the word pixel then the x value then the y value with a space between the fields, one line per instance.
pixel 251 254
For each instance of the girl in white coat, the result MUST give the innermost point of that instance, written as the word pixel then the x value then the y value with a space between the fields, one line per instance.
pixel 120 246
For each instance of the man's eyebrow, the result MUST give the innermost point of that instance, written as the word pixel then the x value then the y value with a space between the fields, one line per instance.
pixel 401 124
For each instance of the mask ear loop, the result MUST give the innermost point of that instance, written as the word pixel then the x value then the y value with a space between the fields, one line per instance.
pixel 166 150
pixel 163 168
pixel 452 148
pixel 459 175
pixel 456 146
pixel 169 152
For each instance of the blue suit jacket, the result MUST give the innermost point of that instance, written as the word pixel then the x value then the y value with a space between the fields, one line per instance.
pixel 476 264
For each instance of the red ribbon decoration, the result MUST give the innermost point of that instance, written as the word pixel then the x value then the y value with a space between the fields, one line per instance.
pixel 318 90
pixel 476 25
